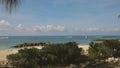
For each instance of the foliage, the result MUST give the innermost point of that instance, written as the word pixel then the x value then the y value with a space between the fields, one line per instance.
pixel 63 53
pixel 99 51
pixel 10 4
pixel 95 64
pixel 26 58
pixel 49 42
pixel 55 54
pixel 114 44
pixel 30 44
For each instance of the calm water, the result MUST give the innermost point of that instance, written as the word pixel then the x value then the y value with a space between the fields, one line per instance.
pixel 7 42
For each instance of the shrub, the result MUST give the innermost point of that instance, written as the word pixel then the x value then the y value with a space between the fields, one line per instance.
pixel 55 54
pixel 99 51
pixel 114 44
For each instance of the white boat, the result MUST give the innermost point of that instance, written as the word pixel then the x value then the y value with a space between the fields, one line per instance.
pixel 86 37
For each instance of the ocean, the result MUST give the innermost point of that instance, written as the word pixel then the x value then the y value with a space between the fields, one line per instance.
pixel 8 41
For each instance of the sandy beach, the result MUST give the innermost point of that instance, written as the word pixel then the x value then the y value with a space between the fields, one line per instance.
pixel 84 47
pixel 4 53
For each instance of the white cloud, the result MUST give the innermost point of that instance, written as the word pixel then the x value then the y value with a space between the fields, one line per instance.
pixel 4 23
pixel 42 28
pixel 59 28
pixel 19 27
pixel 46 28
pixel 110 29
pixel 86 29
pixel 94 29
pixel 7 28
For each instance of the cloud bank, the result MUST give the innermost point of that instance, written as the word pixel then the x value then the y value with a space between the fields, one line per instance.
pixel 46 28
pixel 22 29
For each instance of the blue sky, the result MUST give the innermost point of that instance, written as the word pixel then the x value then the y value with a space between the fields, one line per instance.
pixel 62 17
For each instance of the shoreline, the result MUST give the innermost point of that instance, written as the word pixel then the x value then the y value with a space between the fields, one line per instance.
pixel 5 52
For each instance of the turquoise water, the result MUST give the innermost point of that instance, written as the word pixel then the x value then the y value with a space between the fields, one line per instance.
pixel 7 42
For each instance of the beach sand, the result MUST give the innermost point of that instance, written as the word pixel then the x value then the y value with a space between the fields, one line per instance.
pixel 4 53
pixel 85 48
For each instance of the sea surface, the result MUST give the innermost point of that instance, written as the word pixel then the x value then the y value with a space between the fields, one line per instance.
pixel 8 41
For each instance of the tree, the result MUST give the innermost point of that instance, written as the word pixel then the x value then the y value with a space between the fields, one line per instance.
pixel 99 51
pixel 10 4
pixel 114 44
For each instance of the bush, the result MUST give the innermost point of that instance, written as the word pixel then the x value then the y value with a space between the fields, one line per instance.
pixel 99 51
pixel 54 54
pixel 25 58
pixel 63 53
pixel 113 44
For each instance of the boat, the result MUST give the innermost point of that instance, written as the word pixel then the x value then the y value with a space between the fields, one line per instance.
pixel 86 37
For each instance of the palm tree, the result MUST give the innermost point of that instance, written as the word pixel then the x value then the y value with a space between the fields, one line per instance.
pixel 10 4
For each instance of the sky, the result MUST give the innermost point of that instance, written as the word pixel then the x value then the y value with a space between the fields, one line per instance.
pixel 61 17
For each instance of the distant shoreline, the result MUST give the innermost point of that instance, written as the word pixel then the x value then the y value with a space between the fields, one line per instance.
pixel 80 39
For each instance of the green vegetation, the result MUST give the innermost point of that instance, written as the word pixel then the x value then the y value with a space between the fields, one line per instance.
pixel 100 52
pixel 30 44
pixel 114 45
pixel 49 42
pixel 65 54
pixel 55 54
pixel 26 58
pixel 105 49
